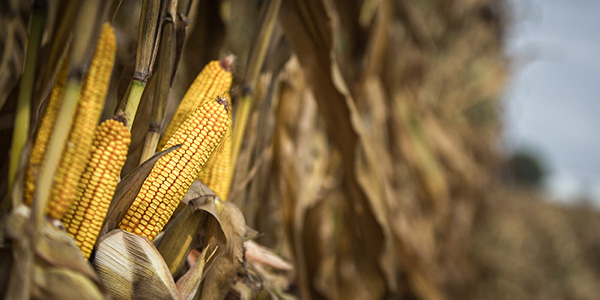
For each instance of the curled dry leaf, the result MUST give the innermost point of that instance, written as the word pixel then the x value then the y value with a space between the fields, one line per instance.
pixel 229 259
pixel 59 249
pixel 59 283
pixel 191 228
pixel 216 227
pixel 264 256
pixel 308 28
pixel 179 238
pixel 188 284
pixel 130 267
pixel 60 270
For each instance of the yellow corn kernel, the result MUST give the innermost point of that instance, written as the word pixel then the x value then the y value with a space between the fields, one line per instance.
pixel 215 79
pixel 97 184
pixel 87 115
pixel 216 174
pixel 43 132
pixel 173 174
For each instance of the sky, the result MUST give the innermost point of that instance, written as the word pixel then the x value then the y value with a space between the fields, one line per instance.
pixel 552 102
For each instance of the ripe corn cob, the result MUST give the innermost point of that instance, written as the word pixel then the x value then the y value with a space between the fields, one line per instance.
pixel 96 187
pixel 217 171
pixel 87 115
pixel 173 174
pixel 214 80
pixel 44 130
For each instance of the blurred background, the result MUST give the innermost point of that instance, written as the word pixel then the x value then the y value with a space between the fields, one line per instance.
pixel 551 100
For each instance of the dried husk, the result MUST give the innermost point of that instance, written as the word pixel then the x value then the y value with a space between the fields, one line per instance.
pixel 130 267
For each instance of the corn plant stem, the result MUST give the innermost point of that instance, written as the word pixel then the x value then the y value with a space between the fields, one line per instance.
pixel 136 89
pixel 255 62
pixel 151 88
pixel 19 286
pixel 150 143
pixel 85 31
pixel 22 116
pixel 148 39
pixel 166 63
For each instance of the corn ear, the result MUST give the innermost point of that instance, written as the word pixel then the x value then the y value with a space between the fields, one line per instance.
pixel 43 133
pixel 96 187
pixel 216 174
pixel 214 80
pixel 87 115
pixel 173 174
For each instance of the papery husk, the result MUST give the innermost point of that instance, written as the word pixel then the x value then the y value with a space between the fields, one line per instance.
pixel 192 228
pixel 229 259
pixel 130 267
pixel 59 269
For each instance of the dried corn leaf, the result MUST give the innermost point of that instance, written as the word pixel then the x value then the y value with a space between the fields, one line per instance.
pixel 189 229
pixel 19 284
pixel 215 226
pixel 188 284
pixel 261 255
pixel 179 238
pixel 58 249
pixel 307 26
pixel 130 267
pixel 229 258
pixel 56 49
pixel 60 270
pixel 53 283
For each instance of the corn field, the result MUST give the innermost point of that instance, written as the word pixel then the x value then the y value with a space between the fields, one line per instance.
pixel 269 149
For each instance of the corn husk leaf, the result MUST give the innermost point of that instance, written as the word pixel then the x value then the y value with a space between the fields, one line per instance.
pixel 188 284
pixel 217 228
pixel 261 255
pixel 130 267
pixel 59 269
pixel 311 37
pixel 58 283
pixel 179 238
pixel 19 284
pixel 229 258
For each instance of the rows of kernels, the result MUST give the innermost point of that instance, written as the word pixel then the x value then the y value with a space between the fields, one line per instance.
pixel 217 171
pixel 211 82
pixel 96 187
pixel 173 174
pixel 87 115
pixel 43 133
